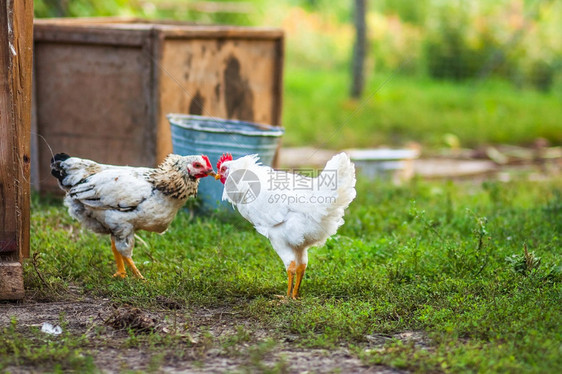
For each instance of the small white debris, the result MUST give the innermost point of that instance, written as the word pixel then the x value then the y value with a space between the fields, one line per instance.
pixel 50 329
pixel 13 49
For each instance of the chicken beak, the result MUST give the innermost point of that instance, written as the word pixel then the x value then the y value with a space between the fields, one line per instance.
pixel 217 176
pixel 211 173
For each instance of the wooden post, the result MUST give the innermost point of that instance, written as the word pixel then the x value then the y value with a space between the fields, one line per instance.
pixel 359 49
pixel 16 49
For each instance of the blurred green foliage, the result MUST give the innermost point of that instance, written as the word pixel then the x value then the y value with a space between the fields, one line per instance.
pixel 516 40
pixel 511 39
pixel 85 8
pixel 235 12
pixel 467 68
pixel 318 112
pixel 414 12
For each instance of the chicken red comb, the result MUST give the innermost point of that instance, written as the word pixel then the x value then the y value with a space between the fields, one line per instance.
pixel 207 161
pixel 224 157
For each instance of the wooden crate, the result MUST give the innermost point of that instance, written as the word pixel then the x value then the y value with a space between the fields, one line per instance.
pixel 103 87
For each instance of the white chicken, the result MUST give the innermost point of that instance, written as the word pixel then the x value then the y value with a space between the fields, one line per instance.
pixel 293 211
pixel 119 200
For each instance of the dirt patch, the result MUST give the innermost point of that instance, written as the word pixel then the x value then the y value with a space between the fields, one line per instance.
pixel 126 317
pixel 288 360
pixel 418 338
pixel 78 315
pixel 198 340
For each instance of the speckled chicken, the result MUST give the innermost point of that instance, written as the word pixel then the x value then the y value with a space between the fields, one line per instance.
pixel 119 200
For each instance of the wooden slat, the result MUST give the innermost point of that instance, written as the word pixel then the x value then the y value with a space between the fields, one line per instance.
pixel 8 195
pixel 217 32
pixel 276 114
pixel 276 119
pixel 85 21
pixel 16 48
pixel 16 25
pixel 162 148
pixel 93 101
pixel 95 34
pixel 133 32
pixel 222 78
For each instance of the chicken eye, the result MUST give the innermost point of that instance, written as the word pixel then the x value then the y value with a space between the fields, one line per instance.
pixel 196 165
pixel 223 168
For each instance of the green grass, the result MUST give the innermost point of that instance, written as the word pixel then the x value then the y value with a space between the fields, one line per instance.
pixel 35 349
pixel 443 258
pixel 397 109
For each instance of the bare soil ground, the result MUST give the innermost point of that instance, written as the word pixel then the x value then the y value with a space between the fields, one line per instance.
pixel 199 339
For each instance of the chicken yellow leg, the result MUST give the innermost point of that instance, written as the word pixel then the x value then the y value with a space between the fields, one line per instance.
pixel 119 261
pixel 300 273
pixel 131 264
pixel 290 274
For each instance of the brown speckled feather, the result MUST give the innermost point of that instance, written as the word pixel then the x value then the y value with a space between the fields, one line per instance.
pixel 172 180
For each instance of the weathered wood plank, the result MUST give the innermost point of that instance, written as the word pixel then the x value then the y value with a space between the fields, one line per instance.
pixel 11 281
pixel 8 193
pixel 93 102
pixel 16 25
pixel 21 88
pixel 217 32
pixel 95 34
pixel 221 78
pixel 277 79
pixel 16 48
pixel 105 28
pixel 276 111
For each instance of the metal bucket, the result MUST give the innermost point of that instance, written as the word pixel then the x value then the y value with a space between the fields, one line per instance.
pixel 394 164
pixel 210 136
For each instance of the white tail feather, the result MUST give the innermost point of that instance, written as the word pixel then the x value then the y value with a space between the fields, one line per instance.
pixel 345 182
pixel 344 192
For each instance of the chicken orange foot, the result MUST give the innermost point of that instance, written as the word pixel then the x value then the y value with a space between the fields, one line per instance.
pixel 297 273
pixel 131 264
pixel 291 271
pixel 300 274
pixel 121 261
pixel 121 272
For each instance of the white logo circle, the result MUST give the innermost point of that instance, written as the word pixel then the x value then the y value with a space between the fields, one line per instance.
pixel 242 186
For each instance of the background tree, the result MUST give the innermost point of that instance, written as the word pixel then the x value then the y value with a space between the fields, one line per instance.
pixel 359 49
